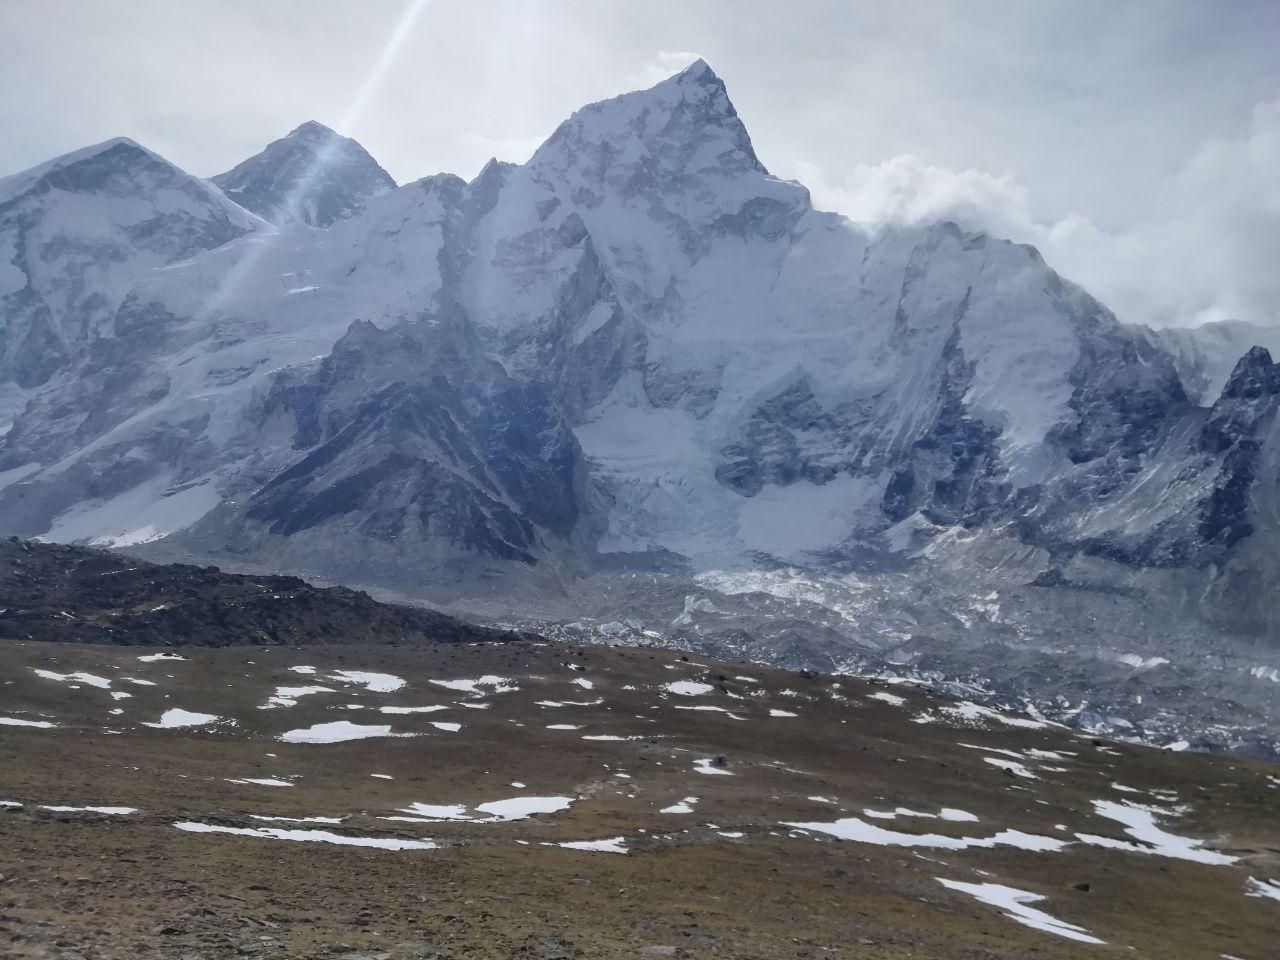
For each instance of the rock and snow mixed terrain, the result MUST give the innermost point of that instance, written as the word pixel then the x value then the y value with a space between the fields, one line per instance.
pixel 640 386
pixel 311 176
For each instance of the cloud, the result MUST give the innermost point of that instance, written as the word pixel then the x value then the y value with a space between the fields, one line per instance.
pixel 516 150
pixel 905 189
pixel 663 65
pixel 1209 254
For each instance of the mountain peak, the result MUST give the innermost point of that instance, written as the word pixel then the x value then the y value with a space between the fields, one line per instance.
pixel 123 147
pixel 312 126
pixel 312 175
pixel 1255 375
pixel 699 71
pixel 314 131
pixel 679 126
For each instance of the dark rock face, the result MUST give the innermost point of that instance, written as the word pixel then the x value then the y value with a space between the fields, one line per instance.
pixel 396 438
pixel 768 451
pixel 1125 394
pixel 1236 431
pixel 77 595
pixel 311 176
pixel 952 473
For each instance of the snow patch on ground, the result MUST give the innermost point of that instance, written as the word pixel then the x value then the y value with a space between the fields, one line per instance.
pixel 858 830
pixel 489 683
pixel 688 688
pixel 1140 823
pixel 1015 904
pixel 887 697
pixel 311 836
pixel 684 806
pixel 1268 889
pixel 612 845
pixel 400 710
pixel 338 731
pixel 707 765
pixel 19 722
pixel 86 679
pixel 946 813
pixel 373 682
pixel 178 718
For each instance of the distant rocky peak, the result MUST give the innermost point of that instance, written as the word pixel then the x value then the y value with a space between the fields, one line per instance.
pixel 313 131
pixel 1255 375
pixel 313 175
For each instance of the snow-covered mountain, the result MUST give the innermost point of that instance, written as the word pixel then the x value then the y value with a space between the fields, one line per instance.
pixel 310 176
pixel 641 354
pixel 76 234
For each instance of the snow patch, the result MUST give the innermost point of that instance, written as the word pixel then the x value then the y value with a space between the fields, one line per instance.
pixel 1015 904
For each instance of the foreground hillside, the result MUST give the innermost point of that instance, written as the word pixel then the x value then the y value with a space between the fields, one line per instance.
pixel 549 801
pixel 68 593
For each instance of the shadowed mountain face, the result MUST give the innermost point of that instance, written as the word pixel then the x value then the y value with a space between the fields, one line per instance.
pixel 312 176
pixel 640 355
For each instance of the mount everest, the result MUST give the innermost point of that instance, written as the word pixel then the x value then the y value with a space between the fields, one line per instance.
pixel 638 381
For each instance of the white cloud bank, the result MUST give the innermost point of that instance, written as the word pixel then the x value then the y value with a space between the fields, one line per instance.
pixel 1210 254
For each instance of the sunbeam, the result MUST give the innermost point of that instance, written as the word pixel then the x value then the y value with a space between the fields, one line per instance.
pixel 324 157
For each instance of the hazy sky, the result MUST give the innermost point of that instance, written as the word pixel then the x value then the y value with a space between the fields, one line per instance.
pixel 1137 143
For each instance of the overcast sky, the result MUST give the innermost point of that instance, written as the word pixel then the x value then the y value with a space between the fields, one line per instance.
pixel 1138 144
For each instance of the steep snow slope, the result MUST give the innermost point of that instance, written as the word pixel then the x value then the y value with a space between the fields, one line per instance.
pixel 310 176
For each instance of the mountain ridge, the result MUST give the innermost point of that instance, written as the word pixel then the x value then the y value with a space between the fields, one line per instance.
pixel 641 352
